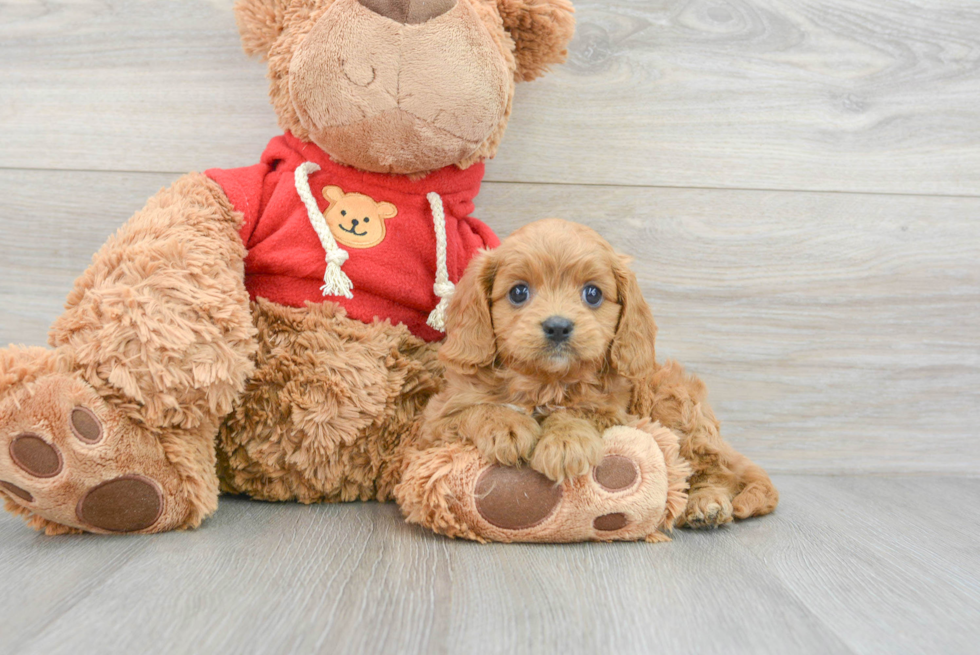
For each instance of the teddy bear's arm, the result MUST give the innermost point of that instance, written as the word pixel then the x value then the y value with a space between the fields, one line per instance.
pixel 114 429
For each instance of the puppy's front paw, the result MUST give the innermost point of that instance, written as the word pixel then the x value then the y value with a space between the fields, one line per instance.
pixel 567 453
pixel 508 437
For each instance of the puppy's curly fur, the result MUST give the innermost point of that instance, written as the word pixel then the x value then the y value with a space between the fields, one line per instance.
pixel 521 397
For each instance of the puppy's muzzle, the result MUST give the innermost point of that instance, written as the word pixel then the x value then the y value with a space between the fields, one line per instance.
pixel 557 329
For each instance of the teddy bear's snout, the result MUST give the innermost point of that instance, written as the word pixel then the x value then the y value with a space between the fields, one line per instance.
pixel 409 12
pixel 379 80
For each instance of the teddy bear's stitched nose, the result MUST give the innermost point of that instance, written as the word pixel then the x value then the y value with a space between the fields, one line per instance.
pixel 409 12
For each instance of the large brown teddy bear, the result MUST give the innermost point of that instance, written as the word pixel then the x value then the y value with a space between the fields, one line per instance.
pixel 183 366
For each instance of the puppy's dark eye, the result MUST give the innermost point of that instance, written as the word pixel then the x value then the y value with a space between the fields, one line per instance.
pixel 343 212
pixel 367 220
pixel 519 294
pixel 592 295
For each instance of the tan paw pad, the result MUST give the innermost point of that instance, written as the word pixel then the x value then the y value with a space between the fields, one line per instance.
pixel 35 456
pixel 85 425
pixel 515 498
pixel 23 494
pixel 611 522
pixel 125 504
pixel 616 473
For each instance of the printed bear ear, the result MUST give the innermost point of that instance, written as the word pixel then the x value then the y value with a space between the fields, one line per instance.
pixel 387 210
pixel 541 30
pixel 260 23
pixel 333 193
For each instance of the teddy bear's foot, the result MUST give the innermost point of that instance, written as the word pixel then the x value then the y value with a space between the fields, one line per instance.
pixel 635 493
pixel 69 462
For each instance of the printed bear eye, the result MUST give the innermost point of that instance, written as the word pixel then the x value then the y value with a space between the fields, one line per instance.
pixel 367 220
pixel 343 212
pixel 592 295
pixel 519 294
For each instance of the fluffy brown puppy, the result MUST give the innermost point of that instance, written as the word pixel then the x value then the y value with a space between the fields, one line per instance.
pixel 544 334
pixel 550 342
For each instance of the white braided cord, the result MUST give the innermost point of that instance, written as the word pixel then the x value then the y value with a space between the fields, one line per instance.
pixel 335 281
pixel 443 288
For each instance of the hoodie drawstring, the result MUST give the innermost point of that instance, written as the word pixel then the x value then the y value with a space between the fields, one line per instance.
pixel 335 281
pixel 443 288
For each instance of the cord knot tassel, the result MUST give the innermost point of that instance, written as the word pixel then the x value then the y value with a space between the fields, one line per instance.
pixel 443 288
pixel 335 281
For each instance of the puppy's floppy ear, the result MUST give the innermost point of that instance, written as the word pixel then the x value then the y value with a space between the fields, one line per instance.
pixel 470 342
pixel 541 30
pixel 260 23
pixel 632 353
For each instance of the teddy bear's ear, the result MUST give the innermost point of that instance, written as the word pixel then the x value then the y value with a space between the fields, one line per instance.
pixel 333 193
pixel 260 24
pixel 541 30
pixel 386 210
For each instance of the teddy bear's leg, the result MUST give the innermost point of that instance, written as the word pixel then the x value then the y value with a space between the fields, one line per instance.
pixel 636 492
pixel 113 430
pixel 724 483
pixel 323 416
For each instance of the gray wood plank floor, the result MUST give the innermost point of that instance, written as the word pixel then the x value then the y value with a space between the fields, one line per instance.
pixel 869 564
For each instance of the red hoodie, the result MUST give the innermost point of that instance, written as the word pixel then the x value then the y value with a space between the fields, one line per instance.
pixel 384 223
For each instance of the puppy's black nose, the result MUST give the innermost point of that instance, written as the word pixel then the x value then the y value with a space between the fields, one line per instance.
pixel 354 223
pixel 557 328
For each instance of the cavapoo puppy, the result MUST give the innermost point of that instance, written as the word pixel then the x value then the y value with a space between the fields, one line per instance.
pixel 549 342
pixel 544 336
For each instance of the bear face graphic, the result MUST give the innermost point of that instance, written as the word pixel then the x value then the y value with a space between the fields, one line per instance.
pixel 355 220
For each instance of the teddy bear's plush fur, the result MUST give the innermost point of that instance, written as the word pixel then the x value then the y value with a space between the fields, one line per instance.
pixel 165 381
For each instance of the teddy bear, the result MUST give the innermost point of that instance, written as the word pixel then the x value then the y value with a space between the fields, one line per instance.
pixel 273 330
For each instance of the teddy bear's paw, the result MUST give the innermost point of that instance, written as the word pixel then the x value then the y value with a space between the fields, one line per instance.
pixel 635 492
pixel 69 462
pixel 708 507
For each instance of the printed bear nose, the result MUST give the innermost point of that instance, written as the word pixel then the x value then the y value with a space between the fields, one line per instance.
pixel 409 12
pixel 354 223
pixel 557 328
